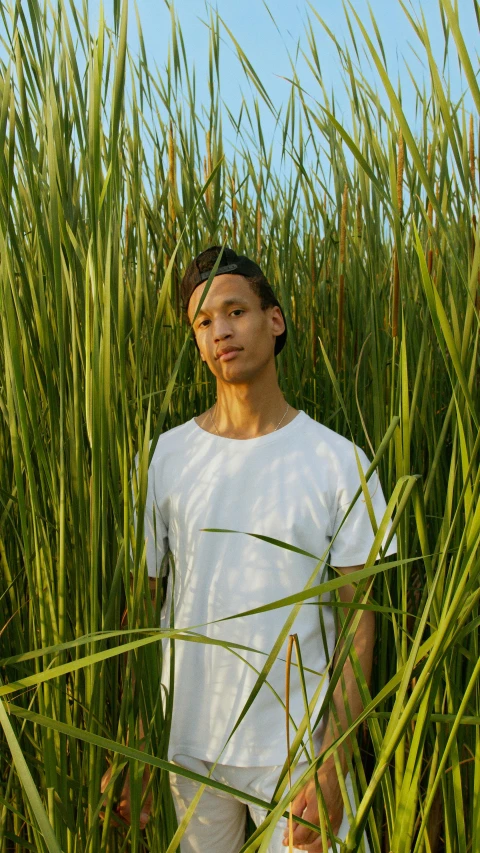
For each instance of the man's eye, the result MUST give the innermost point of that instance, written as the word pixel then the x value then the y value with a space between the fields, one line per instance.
pixel 203 323
pixel 237 311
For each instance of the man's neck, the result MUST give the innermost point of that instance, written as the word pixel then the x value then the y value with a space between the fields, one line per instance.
pixel 247 411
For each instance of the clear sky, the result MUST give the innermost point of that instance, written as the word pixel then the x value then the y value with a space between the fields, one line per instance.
pixel 268 31
pixel 271 33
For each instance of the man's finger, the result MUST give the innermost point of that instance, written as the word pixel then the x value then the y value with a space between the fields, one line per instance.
pixel 146 809
pixel 144 818
pixel 316 847
pixel 114 818
pixel 303 835
pixel 298 807
pixel 123 810
pixel 105 779
pixel 299 804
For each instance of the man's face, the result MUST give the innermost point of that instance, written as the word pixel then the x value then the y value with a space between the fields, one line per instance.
pixel 235 337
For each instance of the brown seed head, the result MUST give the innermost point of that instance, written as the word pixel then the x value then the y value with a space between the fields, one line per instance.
pixel 343 224
pixel 359 217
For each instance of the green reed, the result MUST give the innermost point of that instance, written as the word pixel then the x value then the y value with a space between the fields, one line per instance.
pixel 111 178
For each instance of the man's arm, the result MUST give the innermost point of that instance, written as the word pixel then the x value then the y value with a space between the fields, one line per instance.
pixel 305 804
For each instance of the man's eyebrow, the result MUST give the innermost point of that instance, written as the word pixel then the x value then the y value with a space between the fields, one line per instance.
pixel 233 301
pixel 226 304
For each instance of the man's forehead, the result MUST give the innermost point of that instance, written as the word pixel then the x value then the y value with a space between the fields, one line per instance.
pixel 224 290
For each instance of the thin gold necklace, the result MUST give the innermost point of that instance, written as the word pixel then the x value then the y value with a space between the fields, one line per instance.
pixel 274 430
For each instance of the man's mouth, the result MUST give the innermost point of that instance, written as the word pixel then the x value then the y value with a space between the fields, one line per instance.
pixel 227 353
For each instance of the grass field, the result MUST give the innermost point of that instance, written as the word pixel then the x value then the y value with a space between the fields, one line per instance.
pixel 111 177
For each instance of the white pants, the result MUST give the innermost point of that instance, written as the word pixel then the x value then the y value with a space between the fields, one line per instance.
pixel 218 822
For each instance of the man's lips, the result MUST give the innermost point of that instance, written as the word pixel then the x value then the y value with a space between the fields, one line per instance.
pixel 227 353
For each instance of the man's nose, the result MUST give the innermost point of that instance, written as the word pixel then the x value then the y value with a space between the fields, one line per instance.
pixel 222 329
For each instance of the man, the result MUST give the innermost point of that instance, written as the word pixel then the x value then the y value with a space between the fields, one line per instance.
pixel 254 464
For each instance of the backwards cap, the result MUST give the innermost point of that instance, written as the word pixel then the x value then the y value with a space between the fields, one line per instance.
pixel 200 268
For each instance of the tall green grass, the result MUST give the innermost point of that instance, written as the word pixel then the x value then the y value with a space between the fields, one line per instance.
pixel 111 178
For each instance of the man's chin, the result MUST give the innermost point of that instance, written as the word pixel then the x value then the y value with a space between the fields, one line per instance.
pixel 234 375
pixel 237 372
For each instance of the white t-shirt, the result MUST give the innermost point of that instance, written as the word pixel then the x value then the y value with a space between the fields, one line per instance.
pixel 293 485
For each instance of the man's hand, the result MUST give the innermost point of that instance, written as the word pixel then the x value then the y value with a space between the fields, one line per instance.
pixel 305 805
pixel 123 809
pixel 124 804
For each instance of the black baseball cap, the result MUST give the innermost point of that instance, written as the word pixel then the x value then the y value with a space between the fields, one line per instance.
pixel 200 268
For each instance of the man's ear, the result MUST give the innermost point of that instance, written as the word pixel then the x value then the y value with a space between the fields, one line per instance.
pixel 278 322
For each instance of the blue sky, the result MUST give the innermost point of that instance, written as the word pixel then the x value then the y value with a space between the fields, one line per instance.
pixel 274 34
pixel 267 42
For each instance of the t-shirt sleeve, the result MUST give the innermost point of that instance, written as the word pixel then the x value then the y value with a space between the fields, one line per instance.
pixel 156 534
pixel 354 539
pixel 155 529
